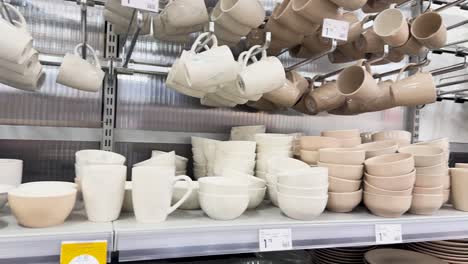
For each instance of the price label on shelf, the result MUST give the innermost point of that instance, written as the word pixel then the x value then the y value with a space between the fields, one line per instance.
pixel 150 5
pixel 388 234
pixel 335 29
pixel 83 252
pixel 274 239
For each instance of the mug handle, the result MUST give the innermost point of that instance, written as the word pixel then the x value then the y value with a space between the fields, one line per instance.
pixel 363 63
pixel 404 69
pixel 242 56
pixel 251 50
pixel 22 23
pixel 199 39
pixel 96 60
pixel 186 195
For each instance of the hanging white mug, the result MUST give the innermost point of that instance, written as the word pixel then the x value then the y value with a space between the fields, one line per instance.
pixel 16 41
pixel 80 74
pixel 30 59
pixel 185 13
pixel 31 80
pixel 152 194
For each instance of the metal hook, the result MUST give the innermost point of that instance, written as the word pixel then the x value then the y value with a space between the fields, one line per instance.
pixel 128 54
pixel 6 12
pixel 304 62
pixel 420 64
pixel 451 68
pixel 265 46
pixel 211 30
pixel 453 77
pixel 84 27
pixel 428 6
pixel 449 5
pixel 381 58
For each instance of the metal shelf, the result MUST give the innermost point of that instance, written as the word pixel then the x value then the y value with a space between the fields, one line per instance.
pixel 42 245
pixel 191 233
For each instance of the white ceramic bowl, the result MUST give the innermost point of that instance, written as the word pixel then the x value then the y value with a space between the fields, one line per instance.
pixel 4 189
pixel 223 186
pixel 97 157
pixel 302 207
pixel 425 156
pixel 345 156
pixel 347 172
pixel 305 178
pixel 273 194
pixel 256 197
pixel 254 182
pixel 315 191
pixel 278 165
pixel 223 207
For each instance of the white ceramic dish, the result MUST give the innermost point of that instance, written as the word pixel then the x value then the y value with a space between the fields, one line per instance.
pixel 223 207
pixel 302 207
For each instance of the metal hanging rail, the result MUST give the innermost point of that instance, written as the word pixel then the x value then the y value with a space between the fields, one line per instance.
pixel 420 64
pixel 84 27
pixel 128 53
pixel 449 5
pixel 265 46
pixel 451 68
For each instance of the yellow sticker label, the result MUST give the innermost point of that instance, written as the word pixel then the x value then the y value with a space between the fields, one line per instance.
pixel 85 252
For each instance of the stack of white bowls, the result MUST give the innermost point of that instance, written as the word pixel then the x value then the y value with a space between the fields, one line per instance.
pixel 234 155
pixel 276 166
pixel 296 146
pixel 257 186
pixel 270 146
pixel 388 184
pixel 223 198
pixel 431 178
pixel 348 138
pixel 180 162
pixel 246 133
pixel 345 170
pixel 204 153
pixel 302 194
pixel 310 146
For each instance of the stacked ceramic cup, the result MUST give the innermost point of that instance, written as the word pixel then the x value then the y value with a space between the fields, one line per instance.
pixel 310 146
pixel 180 162
pixel 431 168
pixel 345 170
pixel 302 193
pixel 19 62
pixel 270 146
pixel 348 138
pixel 257 186
pixel 223 198
pixel 101 176
pixel 204 154
pixel 388 184
pixel 121 16
pixel 235 19
pixel 276 166
pixel 235 155
pixel 459 196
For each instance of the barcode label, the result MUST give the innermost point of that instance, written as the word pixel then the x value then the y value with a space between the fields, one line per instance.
pixel 149 5
pixel 274 239
pixel 335 29
pixel 388 234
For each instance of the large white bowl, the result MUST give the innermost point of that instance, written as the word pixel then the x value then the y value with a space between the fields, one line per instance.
pixel 278 165
pixel 223 186
pixel 315 191
pixel 302 207
pixel 223 207
pixel 306 178
pixel 273 194
pixel 180 188
pixel 254 182
pixel 4 189
pixel 256 197
pixel 98 157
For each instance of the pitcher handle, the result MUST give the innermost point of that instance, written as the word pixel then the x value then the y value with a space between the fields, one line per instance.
pixel 186 195
pixel 93 52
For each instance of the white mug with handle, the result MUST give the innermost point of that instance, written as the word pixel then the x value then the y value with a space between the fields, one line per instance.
pixel 80 74
pixel 17 41
pixel 152 193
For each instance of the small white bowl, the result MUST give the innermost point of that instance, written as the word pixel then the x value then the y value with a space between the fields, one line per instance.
pixel 278 165
pixel 302 207
pixel 305 178
pixel 223 207
pixel 315 191
pixel 180 188
pixel 254 182
pixel 256 197
pixel 273 194
pixel 223 186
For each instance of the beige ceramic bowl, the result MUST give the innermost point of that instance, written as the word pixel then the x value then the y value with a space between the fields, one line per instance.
pixel 317 142
pixel 402 137
pixel 343 202
pixel 345 156
pixel 351 133
pixel 428 181
pixel 441 168
pixel 387 206
pixel 375 190
pixel 350 142
pixel 461 165
pixel 433 191
pixel 442 143
pixel 378 148
pixel 42 206
pixel 396 183
pixel 424 156
pixel 309 156
pixel 446 182
pixel 347 172
pixel 426 204
pixel 390 164
pixel 341 185
pixel 446 194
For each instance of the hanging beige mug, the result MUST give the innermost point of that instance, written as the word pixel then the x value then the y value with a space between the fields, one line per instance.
pixel 355 26
pixel 392 27
pixel 357 83
pixel 383 101
pixel 286 16
pixel 290 93
pixel 429 29
pixel 325 98
pixel 350 5
pixel 316 10
pixel 282 35
pixel 417 89
pixel 412 47
pixel 315 44
pixel 370 42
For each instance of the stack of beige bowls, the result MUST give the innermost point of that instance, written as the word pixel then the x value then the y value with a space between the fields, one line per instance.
pixel 459 195
pixel 403 138
pixel 302 193
pixel 388 184
pixel 271 146
pixel 345 169
pixel 431 170
pixel 348 138
pixel 276 166
pixel 310 146
pixel 378 148
pixel 235 155
pixel 204 153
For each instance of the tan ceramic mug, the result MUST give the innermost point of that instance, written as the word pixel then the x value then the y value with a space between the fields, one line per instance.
pixel 290 93
pixel 315 44
pixel 356 82
pixel 316 10
pixel 350 5
pixel 370 42
pixel 429 30
pixel 392 27
pixel 286 16
pixel 417 89
pixel 412 47
pixel 325 98
pixel 282 34
pixel 383 101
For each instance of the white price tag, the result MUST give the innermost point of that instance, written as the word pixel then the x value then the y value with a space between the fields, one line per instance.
pixel 335 29
pixel 274 239
pixel 150 5
pixel 388 234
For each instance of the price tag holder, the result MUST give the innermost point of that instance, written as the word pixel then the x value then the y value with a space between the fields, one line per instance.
pixel 274 239
pixel 335 29
pixel 83 252
pixel 388 234
pixel 149 5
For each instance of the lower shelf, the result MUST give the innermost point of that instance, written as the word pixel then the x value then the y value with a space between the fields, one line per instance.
pixel 191 233
pixel 42 245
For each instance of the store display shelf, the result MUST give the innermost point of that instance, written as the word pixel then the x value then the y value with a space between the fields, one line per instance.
pixel 42 245
pixel 11 132
pixel 191 233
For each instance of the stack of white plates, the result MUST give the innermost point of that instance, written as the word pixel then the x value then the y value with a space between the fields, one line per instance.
pixel 340 255
pixel 451 251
